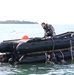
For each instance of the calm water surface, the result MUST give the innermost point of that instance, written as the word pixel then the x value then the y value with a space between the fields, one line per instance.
pixel 17 31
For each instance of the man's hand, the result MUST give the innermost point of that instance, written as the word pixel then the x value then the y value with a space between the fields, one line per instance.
pixel 46 33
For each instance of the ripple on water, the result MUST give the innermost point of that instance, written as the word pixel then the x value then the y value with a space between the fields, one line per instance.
pixel 37 69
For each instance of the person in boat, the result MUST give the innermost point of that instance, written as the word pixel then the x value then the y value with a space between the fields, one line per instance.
pixel 49 30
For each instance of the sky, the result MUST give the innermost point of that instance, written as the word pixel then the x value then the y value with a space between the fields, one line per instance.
pixel 49 11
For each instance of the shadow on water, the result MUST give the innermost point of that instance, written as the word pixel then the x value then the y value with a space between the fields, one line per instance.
pixel 37 69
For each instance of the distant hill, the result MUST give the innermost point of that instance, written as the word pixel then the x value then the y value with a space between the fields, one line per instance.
pixel 17 22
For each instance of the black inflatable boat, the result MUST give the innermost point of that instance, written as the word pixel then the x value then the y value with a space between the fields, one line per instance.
pixel 38 50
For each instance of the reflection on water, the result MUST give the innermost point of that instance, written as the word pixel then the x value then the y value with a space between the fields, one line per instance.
pixel 37 69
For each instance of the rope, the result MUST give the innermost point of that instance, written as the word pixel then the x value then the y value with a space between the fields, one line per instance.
pixel 62 54
pixel 46 56
pixel 54 55
pixel 71 49
pixel 47 59
pixel 21 57
pixel 53 43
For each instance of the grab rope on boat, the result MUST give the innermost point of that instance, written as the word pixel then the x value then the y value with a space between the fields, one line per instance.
pixel 63 60
pixel 47 58
pixel 54 54
pixel 72 52
pixel 46 55
pixel 53 43
pixel 21 57
pixel 62 54
pixel 54 57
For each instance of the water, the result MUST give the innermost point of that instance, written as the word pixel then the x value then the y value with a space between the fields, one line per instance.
pixel 17 31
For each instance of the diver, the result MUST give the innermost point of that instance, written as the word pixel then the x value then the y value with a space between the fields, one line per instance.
pixel 54 60
pixel 48 59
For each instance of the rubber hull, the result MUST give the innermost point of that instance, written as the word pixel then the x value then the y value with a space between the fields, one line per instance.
pixel 38 44
pixel 42 45
pixel 7 46
pixel 41 58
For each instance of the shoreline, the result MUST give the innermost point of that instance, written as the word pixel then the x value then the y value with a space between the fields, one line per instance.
pixel 17 22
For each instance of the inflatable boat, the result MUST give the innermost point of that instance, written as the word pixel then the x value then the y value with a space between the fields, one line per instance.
pixel 38 50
